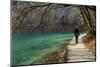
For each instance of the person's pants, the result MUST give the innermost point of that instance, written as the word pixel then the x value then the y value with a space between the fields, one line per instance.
pixel 76 38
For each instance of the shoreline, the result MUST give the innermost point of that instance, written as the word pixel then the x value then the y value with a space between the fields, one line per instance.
pixel 56 56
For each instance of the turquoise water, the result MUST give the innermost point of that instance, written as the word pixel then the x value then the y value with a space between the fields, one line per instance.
pixel 28 48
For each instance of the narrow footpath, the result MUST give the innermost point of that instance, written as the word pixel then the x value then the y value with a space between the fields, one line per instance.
pixel 79 52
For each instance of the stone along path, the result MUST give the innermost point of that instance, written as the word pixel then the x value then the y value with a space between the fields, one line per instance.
pixel 79 52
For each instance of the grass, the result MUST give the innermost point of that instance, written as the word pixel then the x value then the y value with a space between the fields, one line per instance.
pixel 90 43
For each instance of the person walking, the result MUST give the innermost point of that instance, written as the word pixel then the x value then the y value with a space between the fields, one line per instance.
pixel 76 34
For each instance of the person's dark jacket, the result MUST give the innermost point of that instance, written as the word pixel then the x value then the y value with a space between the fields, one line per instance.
pixel 76 32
